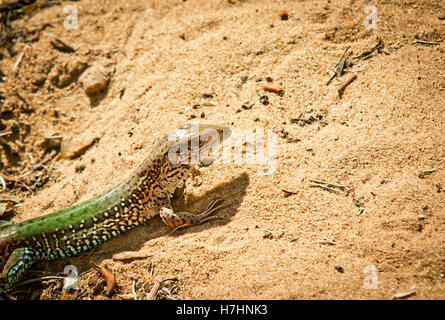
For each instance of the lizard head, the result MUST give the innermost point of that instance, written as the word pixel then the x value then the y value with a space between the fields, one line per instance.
pixel 193 142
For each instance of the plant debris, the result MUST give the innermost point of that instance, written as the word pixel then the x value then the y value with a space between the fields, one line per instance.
pixel 108 276
pixel 268 88
pixel 405 294
pixel 426 173
pixel 345 84
pixel 339 66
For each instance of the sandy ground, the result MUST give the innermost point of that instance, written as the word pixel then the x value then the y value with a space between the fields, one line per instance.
pixel 203 60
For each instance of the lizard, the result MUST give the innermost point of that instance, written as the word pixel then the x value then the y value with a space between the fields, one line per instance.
pixel 143 195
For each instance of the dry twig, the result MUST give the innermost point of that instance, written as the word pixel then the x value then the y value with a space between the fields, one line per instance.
pixel 323 187
pixel 404 294
pixel 339 66
pixel 328 184
pixel 154 290
pixel 425 173
pixel 288 193
pixel 109 278
pixel 433 43
pixel 16 65
pixel 269 88
pixel 346 83
pixel 325 240
pixel 60 44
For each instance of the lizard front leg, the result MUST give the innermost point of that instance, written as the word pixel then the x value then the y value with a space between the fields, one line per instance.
pixel 186 219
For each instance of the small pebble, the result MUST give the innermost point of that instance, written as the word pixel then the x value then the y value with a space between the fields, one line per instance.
pixel 284 15
pixel 339 269
pixel 264 100
pixel 95 79
pixel 267 234
pixel 207 95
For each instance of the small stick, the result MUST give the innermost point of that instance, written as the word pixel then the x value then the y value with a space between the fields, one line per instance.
pixel 323 187
pixel 38 279
pixel 295 120
pixel 133 289
pixel 151 267
pixel 426 172
pixel 167 293
pixel 154 291
pixel 346 83
pixel 60 44
pixel 292 139
pixel 144 294
pixel 392 45
pixel 127 296
pixel 329 184
pixel 80 294
pixel 340 63
pixel 368 54
pixel 325 240
pixel 40 28
pixel 405 294
pixel 209 103
pixel 5 133
pixel 288 193
pixel 9 178
pixel 109 277
pixel 48 157
pixel 31 158
pixel 84 273
pixel 54 137
pixel 19 59
pixel 268 88
pixel 434 43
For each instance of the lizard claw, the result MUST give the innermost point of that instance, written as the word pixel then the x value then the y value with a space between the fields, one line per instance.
pixel 211 208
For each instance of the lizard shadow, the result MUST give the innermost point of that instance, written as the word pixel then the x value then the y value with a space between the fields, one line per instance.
pixel 232 192
pixel 96 98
